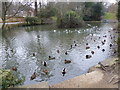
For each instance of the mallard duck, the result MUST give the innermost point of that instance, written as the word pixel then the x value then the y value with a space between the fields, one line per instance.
pixel 86 43
pixel 110 45
pixel 58 51
pixel 75 44
pixel 92 52
pixel 38 36
pixel 67 61
pixel 33 76
pixel 71 46
pixel 45 63
pixel 14 68
pixel 50 58
pixel 98 47
pixel 45 71
pixel 33 54
pixel 11 50
pixel 104 40
pixel 103 50
pixel 102 43
pixel 66 53
pixel 63 71
pixel 87 47
pixel 88 56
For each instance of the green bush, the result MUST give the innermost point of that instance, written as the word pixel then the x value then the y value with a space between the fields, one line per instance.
pixel 31 20
pixel 69 20
pixel 8 79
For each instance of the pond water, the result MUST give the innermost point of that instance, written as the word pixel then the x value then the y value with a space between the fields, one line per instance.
pixel 27 47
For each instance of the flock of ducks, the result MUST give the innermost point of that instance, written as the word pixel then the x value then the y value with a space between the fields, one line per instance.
pixel 45 71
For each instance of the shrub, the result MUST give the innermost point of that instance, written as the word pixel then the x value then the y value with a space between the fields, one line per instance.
pixel 31 20
pixel 69 20
pixel 8 79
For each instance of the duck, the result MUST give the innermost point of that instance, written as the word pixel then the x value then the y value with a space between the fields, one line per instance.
pixel 45 63
pixel 103 50
pixel 71 46
pixel 75 44
pixel 104 40
pixel 11 50
pixel 50 58
pixel 110 45
pixel 86 43
pixel 58 51
pixel 67 61
pixel 38 36
pixel 98 47
pixel 92 52
pixel 102 43
pixel 33 54
pixel 88 56
pixel 64 72
pixel 45 71
pixel 14 68
pixel 66 53
pixel 33 76
pixel 87 47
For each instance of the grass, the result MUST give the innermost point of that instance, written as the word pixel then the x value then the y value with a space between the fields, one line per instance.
pixel 109 16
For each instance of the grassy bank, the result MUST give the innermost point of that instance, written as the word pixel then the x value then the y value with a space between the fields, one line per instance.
pixel 109 16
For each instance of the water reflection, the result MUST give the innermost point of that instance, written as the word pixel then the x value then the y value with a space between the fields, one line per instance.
pixel 28 47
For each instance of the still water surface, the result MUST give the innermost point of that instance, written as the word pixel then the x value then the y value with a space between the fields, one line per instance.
pixel 18 46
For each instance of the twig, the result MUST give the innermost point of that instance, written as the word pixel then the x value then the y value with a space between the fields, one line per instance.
pixel 102 66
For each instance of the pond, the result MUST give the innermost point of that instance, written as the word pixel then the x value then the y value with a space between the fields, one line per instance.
pixel 28 47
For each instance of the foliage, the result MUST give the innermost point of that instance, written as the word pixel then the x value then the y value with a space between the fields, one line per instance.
pixel 8 79
pixel 31 20
pixel 93 11
pixel 69 20
pixel 47 12
pixel 109 16
pixel 118 14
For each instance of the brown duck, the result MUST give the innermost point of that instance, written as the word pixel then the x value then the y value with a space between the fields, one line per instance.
pixel 67 61
pixel 33 76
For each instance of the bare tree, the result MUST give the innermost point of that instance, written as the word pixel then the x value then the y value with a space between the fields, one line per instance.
pixel 5 9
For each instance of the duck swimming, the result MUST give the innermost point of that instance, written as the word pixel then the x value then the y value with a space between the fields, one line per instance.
pixel 14 68
pixel 64 72
pixel 67 61
pixel 92 52
pixel 98 47
pixel 86 43
pixel 110 45
pixel 103 50
pixel 87 47
pixel 33 54
pixel 58 51
pixel 45 71
pixel 45 63
pixel 88 56
pixel 51 58
pixel 33 76
pixel 66 53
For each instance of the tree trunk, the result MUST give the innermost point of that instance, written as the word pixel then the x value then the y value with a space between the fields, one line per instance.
pixel 4 4
pixel 35 12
